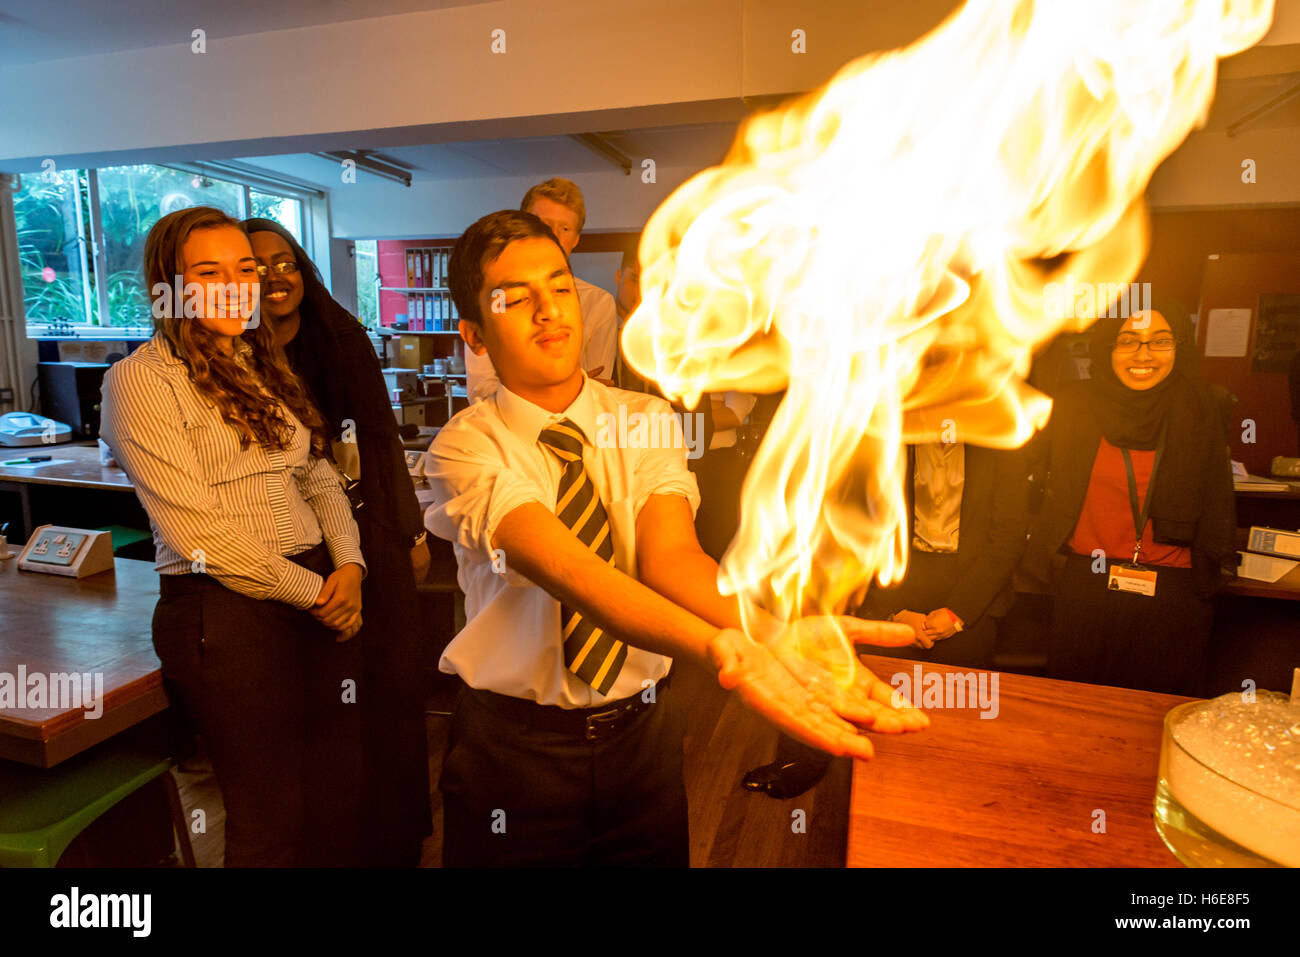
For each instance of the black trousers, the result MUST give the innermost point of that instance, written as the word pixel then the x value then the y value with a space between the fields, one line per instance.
pixel 263 683
pixel 517 795
pixel 395 811
pixel 1156 643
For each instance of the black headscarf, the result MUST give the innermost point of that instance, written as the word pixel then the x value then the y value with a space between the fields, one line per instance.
pixel 333 356
pixel 1182 403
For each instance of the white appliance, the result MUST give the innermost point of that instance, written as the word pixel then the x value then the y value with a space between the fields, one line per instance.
pixel 21 429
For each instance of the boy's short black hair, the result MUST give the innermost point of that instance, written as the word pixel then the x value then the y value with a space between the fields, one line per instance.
pixel 482 243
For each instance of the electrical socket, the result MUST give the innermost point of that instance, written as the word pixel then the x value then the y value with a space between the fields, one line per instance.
pixel 6 395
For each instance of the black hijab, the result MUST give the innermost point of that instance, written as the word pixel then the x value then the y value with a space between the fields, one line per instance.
pixel 1182 404
pixel 1132 418
pixel 333 356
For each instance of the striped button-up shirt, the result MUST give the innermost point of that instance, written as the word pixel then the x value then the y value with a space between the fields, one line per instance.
pixel 232 513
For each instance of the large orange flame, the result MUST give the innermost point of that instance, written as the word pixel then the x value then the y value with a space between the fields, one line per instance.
pixel 879 249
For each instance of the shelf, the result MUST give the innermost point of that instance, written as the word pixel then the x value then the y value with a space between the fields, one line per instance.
pixel 445 375
pixel 388 332
pixel 96 336
pixel 418 400
pixel 414 289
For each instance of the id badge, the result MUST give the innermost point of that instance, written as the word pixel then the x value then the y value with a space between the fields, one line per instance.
pixel 1133 579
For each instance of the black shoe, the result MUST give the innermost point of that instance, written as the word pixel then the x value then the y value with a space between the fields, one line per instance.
pixel 782 781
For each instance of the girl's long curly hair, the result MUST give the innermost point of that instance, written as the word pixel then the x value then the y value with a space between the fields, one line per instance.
pixel 238 392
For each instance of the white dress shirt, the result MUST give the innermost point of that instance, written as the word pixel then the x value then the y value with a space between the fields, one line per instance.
pixel 599 343
pixel 937 485
pixel 485 463
pixel 741 403
pixel 232 513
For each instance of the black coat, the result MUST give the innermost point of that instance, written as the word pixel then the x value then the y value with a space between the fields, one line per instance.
pixel 990 541
pixel 1062 458
pixel 333 355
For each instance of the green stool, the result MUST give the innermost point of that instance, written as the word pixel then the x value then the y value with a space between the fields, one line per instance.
pixel 42 810
pixel 124 538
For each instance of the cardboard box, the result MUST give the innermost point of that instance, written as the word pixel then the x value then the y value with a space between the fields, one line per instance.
pixel 413 352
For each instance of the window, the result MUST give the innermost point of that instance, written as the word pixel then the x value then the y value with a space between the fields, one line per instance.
pixel 52 249
pixel 131 200
pixel 285 211
pixel 68 290
pixel 367 260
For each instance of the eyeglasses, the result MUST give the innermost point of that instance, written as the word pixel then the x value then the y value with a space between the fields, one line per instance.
pixel 1126 345
pixel 285 268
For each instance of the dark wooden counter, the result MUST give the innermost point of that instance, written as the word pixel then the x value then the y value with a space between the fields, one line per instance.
pixel 97 624
pixel 1019 790
pixel 83 471
pixel 59 479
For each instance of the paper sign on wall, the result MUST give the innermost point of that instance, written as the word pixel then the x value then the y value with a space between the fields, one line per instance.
pixel 1227 332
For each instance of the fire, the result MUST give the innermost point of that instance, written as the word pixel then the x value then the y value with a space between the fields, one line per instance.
pixel 879 249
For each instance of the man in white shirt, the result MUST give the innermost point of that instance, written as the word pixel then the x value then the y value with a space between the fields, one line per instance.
pixel 583 580
pixel 559 204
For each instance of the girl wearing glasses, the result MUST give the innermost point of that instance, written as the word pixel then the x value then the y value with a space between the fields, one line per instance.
pixel 330 350
pixel 1138 517
pixel 259 559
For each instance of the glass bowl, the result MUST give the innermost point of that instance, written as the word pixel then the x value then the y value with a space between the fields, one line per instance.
pixel 1228 793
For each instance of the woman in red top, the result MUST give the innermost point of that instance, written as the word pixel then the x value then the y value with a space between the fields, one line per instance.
pixel 1138 517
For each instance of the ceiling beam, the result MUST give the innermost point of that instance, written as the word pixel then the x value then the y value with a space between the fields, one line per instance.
pixel 372 163
pixel 1268 106
pixel 604 149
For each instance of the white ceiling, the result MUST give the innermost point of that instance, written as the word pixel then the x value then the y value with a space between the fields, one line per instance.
pixel 694 146
pixel 33 31
pixel 38 30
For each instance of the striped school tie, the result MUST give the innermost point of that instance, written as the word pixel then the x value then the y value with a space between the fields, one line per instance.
pixel 589 652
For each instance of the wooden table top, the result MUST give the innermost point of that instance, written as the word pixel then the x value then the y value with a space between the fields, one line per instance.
pixel 1018 790
pixel 1292 493
pixel 100 624
pixel 422 441
pixel 83 471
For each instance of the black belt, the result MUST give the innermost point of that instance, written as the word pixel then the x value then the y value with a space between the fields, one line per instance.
pixel 594 724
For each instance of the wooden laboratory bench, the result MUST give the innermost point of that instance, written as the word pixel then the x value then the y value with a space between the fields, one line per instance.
pixel 1023 789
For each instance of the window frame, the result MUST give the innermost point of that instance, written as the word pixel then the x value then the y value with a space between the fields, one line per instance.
pixel 247 183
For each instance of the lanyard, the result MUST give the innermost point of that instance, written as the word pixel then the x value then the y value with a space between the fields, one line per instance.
pixel 1140 517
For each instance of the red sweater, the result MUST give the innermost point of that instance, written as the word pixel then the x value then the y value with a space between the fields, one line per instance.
pixel 1106 521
